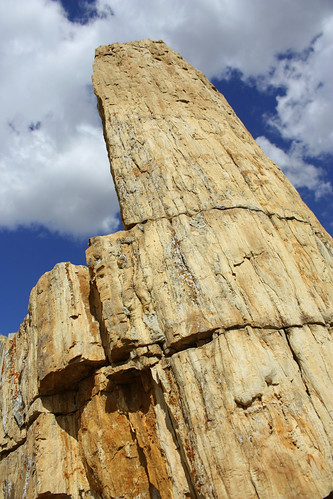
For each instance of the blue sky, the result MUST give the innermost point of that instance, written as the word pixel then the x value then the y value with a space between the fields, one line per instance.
pixel 272 61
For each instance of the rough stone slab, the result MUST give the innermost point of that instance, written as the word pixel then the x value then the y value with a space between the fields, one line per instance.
pixel 57 345
pixel 244 418
pixel 169 281
pixel 68 334
pixel 48 464
pixel 174 143
pixel 18 386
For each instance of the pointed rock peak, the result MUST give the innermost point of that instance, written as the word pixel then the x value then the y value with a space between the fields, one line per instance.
pixel 174 143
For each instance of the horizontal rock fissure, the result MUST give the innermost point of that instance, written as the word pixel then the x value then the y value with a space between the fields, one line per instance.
pixel 258 210
pixel 219 208
pixel 194 341
pixel 310 323
pixel 207 336
pixel 47 495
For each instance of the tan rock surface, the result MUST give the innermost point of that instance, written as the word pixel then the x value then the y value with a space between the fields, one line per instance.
pixel 222 251
pixel 160 114
pixel 18 386
pixel 68 335
pixel 244 416
pixel 48 464
pixel 57 345
pixel 119 440
pixel 169 281
pixel 195 359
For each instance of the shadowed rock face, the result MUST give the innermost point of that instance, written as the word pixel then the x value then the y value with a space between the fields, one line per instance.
pixel 194 359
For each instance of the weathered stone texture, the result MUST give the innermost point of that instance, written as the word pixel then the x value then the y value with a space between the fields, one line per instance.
pixel 159 115
pixel 245 418
pixel 57 345
pixel 68 335
pixel 194 358
pixel 48 464
pixel 168 280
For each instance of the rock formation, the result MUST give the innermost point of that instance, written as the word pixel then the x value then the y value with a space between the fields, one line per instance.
pixel 194 359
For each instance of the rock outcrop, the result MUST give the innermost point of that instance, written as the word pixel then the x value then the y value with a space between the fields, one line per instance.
pixel 194 359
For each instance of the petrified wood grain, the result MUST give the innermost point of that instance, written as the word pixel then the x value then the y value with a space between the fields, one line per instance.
pixel 194 357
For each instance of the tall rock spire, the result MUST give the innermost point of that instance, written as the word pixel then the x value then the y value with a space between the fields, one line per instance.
pixel 204 364
pixel 226 269
pixel 175 145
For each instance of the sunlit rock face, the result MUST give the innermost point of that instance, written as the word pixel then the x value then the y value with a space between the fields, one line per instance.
pixel 194 357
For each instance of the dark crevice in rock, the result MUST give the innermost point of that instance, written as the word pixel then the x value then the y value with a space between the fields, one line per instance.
pixel 259 210
pixel 46 495
pixel 4 453
pixel 254 484
pixel 297 361
pixel 96 311
pixel 171 426
pixel 193 341
pixel 69 377
pixel 247 257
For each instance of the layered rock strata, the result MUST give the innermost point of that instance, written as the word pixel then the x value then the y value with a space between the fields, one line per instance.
pixel 194 359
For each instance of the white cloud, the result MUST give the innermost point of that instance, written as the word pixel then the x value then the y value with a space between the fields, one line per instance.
pixel 304 112
pixel 54 167
pixel 66 189
pixel 300 173
pixel 53 163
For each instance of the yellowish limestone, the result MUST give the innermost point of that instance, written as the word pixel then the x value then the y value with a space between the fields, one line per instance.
pixel 194 357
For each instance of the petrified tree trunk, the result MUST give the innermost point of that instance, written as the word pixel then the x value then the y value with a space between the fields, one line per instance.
pixel 195 360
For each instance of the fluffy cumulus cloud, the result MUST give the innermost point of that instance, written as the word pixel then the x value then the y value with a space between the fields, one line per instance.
pixel 53 162
pixel 299 172
pixel 304 111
